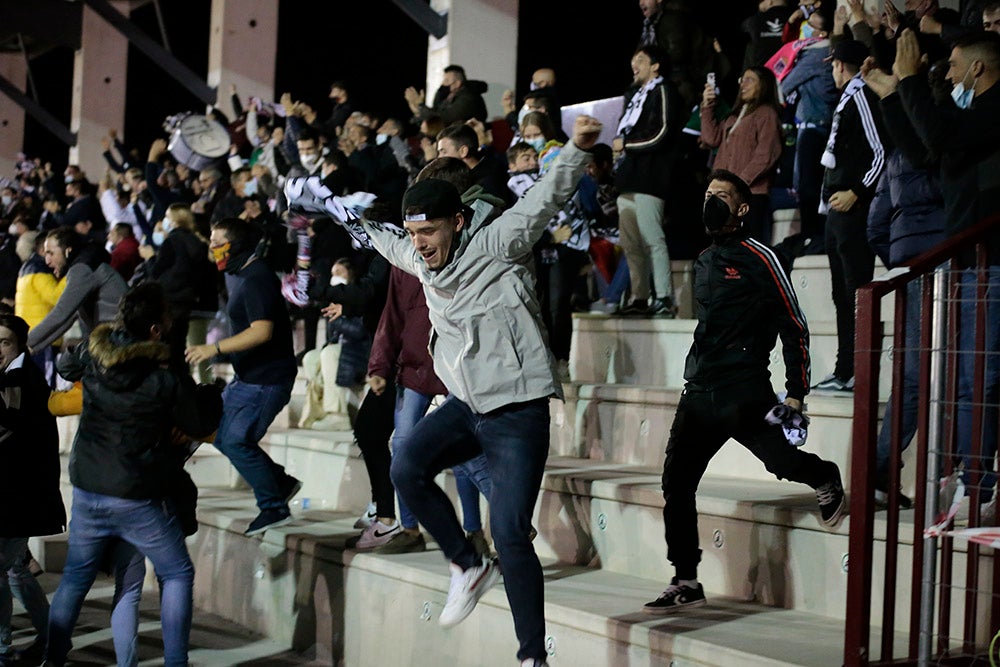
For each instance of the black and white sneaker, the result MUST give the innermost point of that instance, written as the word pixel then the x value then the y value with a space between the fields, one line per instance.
pixel 290 487
pixel 675 598
pixel 833 383
pixel 831 499
pixel 663 308
pixel 270 518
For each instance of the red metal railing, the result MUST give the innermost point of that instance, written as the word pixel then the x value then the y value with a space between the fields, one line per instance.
pixel 930 584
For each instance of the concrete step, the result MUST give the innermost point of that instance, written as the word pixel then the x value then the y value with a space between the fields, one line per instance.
pixel 630 424
pixel 297 585
pixel 653 352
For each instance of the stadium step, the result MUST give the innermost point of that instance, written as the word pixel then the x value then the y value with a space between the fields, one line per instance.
pixel 298 585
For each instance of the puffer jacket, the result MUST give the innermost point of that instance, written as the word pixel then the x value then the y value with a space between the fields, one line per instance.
pixel 131 402
pixel 38 290
pixel 810 84
pixel 30 501
pixel 906 217
pixel 489 346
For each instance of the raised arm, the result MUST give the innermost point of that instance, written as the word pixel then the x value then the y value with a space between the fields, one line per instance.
pixel 516 231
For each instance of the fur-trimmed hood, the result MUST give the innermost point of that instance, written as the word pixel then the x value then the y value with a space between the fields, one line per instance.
pixel 110 347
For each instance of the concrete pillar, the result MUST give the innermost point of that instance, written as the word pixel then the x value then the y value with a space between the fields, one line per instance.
pixel 99 75
pixel 482 38
pixel 14 69
pixel 244 40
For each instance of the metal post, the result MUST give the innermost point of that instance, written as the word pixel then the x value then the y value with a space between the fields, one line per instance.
pixel 935 433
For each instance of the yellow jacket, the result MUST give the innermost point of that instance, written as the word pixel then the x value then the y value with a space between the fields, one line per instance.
pixel 37 294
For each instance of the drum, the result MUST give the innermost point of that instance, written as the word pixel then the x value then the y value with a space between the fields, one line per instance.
pixel 197 141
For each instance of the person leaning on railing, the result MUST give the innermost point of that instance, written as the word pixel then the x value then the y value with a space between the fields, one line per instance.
pixel 966 135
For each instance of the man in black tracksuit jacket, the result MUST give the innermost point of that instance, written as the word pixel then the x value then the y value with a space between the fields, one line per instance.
pixel 743 300
pixel 854 159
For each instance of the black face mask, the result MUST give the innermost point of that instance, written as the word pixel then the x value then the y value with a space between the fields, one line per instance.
pixel 716 215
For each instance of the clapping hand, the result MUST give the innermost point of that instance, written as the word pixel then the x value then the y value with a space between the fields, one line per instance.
pixel 907 55
pixel 881 83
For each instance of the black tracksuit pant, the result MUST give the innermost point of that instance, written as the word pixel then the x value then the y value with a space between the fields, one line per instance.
pixel 705 420
pixel 852 264
pixel 372 430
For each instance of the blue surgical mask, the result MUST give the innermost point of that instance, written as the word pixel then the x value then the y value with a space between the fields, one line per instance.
pixel 538 143
pixel 961 95
pixel 250 189
pixel 166 225
pixel 158 238
pixel 68 179
pixel 807 31
pixel 381 139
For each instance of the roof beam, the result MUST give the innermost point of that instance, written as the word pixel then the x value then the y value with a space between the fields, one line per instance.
pixel 35 110
pixel 159 55
pixel 424 15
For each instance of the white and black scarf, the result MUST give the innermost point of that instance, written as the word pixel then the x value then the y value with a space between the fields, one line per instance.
pixel 854 86
pixel 634 107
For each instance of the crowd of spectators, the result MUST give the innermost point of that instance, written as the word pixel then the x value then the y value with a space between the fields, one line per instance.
pixel 878 125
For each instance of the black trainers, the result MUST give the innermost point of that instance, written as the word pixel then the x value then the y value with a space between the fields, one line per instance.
pixel 882 500
pixel 675 598
pixel 831 499
pixel 638 308
pixel 833 383
pixel 663 308
pixel 290 487
pixel 268 519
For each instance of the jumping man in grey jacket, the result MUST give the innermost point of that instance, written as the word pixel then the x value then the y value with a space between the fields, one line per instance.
pixel 490 350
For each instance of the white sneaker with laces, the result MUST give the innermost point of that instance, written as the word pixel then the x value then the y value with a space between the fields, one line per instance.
pixel 466 589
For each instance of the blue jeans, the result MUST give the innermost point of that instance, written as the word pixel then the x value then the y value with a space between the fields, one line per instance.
pixel 470 477
pixel 515 440
pixel 612 292
pixel 990 395
pixel 17 581
pixel 129 571
pixel 247 413
pixel 147 525
pixel 910 389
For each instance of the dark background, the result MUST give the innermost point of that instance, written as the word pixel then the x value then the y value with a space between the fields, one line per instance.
pixel 373 46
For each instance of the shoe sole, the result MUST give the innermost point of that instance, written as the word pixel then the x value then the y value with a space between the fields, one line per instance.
pixel 485 584
pixel 837 515
pixel 665 611
pixel 295 490
pixel 258 531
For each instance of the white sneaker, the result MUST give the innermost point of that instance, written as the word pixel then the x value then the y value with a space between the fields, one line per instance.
pixel 533 662
pixel 466 589
pixel 367 517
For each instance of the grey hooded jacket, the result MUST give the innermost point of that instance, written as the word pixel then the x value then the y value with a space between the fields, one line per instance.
pixel 487 339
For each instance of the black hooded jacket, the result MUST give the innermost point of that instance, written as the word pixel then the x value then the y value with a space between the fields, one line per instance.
pixel 131 403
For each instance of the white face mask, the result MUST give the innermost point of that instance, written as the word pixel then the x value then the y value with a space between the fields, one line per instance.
pixel 962 96
pixel 337 280
pixel 68 179
pixel 158 238
pixel 381 139
pixel 13 230
pixel 109 246
pixel 7 199
pixel 310 162
pixel 166 225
